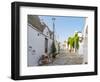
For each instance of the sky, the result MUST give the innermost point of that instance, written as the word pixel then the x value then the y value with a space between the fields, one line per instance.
pixel 65 26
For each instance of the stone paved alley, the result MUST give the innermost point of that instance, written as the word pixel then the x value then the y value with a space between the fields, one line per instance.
pixel 66 58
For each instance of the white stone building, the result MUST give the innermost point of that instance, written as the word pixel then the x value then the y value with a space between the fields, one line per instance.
pixel 83 49
pixel 39 39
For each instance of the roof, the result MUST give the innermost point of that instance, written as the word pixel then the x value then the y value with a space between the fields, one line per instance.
pixel 48 29
pixel 35 21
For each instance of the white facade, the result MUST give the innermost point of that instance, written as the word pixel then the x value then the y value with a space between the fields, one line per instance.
pixel 83 49
pixel 36 44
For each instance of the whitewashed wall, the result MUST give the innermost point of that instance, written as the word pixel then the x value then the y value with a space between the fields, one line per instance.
pixel 47 35
pixel 83 49
pixel 36 40
pixel 49 44
pixel 85 41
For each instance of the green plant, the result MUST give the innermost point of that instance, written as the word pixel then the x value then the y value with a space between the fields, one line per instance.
pixel 74 41
pixel 53 49
pixel 71 42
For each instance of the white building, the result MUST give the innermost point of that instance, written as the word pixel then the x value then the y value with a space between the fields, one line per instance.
pixel 85 42
pixel 83 49
pixel 39 39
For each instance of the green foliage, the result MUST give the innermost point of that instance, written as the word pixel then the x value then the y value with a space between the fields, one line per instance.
pixel 74 41
pixel 71 42
pixel 53 49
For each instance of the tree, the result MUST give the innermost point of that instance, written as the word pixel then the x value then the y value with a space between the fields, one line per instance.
pixel 74 41
pixel 71 42
pixel 53 50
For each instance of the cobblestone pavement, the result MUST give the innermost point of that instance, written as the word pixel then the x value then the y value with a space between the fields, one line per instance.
pixel 66 58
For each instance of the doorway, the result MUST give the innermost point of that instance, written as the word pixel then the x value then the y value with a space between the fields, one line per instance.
pixel 46 45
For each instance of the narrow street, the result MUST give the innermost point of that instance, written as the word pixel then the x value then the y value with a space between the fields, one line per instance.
pixel 66 58
pixel 49 40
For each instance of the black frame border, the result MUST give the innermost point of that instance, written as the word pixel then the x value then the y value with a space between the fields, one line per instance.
pixel 15 40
